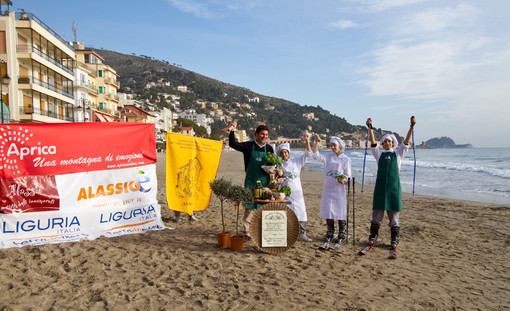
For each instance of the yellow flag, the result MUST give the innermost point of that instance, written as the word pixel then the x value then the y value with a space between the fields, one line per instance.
pixel 191 163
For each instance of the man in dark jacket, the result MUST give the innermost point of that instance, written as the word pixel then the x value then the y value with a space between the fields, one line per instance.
pixel 254 153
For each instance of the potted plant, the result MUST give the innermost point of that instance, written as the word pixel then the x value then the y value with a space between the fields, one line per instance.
pixel 272 161
pixel 238 195
pixel 220 187
pixel 281 193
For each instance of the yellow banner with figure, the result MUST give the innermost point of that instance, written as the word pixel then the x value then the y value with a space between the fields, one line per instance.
pixel 191 163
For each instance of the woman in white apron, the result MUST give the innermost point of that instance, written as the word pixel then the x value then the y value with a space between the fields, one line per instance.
pixel 334 200
pixel 292 174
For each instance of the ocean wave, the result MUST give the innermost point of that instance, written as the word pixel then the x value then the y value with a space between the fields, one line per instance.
pixel 461 167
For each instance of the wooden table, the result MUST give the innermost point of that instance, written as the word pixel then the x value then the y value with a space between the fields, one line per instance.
pixel 260 201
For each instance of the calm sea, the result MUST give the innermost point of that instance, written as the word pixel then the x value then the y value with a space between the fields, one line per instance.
pixel 477 174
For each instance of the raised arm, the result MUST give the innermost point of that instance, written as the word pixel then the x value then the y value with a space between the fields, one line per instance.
pixel 232 142
pixel 371 132
pixel 316 143
pixel 232 126
pixel 410 132
pixel 306 137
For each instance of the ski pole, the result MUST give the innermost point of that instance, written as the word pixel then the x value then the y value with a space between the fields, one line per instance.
pixel 414 154
pixel 353 212
pixel 347 212
pixel 364 159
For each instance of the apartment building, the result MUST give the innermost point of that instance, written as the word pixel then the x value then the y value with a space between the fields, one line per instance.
pixel 135 113
pixel 199 118
pixel 40 64
pixel 85 93
pixel 241 136
pixel 103 100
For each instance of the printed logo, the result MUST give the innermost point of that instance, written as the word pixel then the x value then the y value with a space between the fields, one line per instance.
pixel 144 181
pixel 12 149
pixel 29 194
pixel 291 176
pixel 333 173
pixel 187 177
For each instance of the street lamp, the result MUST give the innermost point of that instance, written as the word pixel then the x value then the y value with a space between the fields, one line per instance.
pixel 5 80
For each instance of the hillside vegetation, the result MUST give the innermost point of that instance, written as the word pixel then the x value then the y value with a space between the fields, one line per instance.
pixel 283 117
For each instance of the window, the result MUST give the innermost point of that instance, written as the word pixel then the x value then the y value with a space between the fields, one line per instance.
pixel 100 73
pixel 90 59
pixel 101 89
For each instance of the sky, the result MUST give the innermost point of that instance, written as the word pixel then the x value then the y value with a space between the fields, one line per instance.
pixel 445 62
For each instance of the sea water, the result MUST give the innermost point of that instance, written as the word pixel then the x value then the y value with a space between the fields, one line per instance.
pixel 475 174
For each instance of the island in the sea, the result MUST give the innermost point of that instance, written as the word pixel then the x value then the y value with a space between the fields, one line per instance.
pixel 442 142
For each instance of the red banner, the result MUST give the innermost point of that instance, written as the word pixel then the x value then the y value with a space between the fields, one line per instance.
pixel 34 149
pixel 28 194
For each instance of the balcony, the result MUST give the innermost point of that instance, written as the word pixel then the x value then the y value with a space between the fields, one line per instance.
pixel 47 85
pixel 30 16
pixel 29 110
pixel 105 109
pixel 23 48
pixel 111 96
pixel 89 86
pixel 112 81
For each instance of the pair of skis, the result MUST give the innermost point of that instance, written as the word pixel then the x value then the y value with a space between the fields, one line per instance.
pixel 327 244
pixel 366 250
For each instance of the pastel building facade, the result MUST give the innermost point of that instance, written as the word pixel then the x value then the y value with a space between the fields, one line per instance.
pixel 103 99
pixel 40 65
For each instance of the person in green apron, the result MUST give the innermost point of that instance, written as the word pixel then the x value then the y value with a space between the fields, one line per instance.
pixel 254 154
pixel 387 191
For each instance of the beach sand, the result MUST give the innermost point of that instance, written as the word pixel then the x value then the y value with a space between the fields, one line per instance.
pixel 452 256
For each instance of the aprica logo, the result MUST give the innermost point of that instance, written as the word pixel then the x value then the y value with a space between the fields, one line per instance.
pixel 12 149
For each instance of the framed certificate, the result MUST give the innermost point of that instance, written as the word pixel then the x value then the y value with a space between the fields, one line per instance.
pixel 274 229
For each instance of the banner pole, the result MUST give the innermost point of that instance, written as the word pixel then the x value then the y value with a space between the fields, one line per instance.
pixel 353 212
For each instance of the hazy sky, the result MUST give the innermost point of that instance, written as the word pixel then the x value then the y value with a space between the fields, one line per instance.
pixel 446 62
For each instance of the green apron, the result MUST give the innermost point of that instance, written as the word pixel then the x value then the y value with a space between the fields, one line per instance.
pixel 254 172
pixel 387 192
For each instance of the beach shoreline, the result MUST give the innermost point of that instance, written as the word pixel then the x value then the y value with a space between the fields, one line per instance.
pixel 451 256
pixel 467 181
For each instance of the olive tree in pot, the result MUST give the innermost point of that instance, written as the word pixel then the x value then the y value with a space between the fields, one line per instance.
pixel 220 187
pixel 238 195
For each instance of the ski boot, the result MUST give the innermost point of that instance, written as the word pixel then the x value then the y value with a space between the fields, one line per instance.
pixel 342 233
pixel 374 233
pixel 329 234
pixel 395 232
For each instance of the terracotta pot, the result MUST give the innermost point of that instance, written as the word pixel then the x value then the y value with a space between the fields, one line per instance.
pixel 236 243
pixel 223 239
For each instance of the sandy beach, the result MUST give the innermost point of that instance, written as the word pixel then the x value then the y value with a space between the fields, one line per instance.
pixel 452 256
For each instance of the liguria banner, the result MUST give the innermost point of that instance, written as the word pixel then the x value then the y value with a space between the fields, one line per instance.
pixel 63 148
pixel 115 195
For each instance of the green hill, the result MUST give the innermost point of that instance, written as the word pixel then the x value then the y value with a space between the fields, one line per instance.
pixel 285 118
